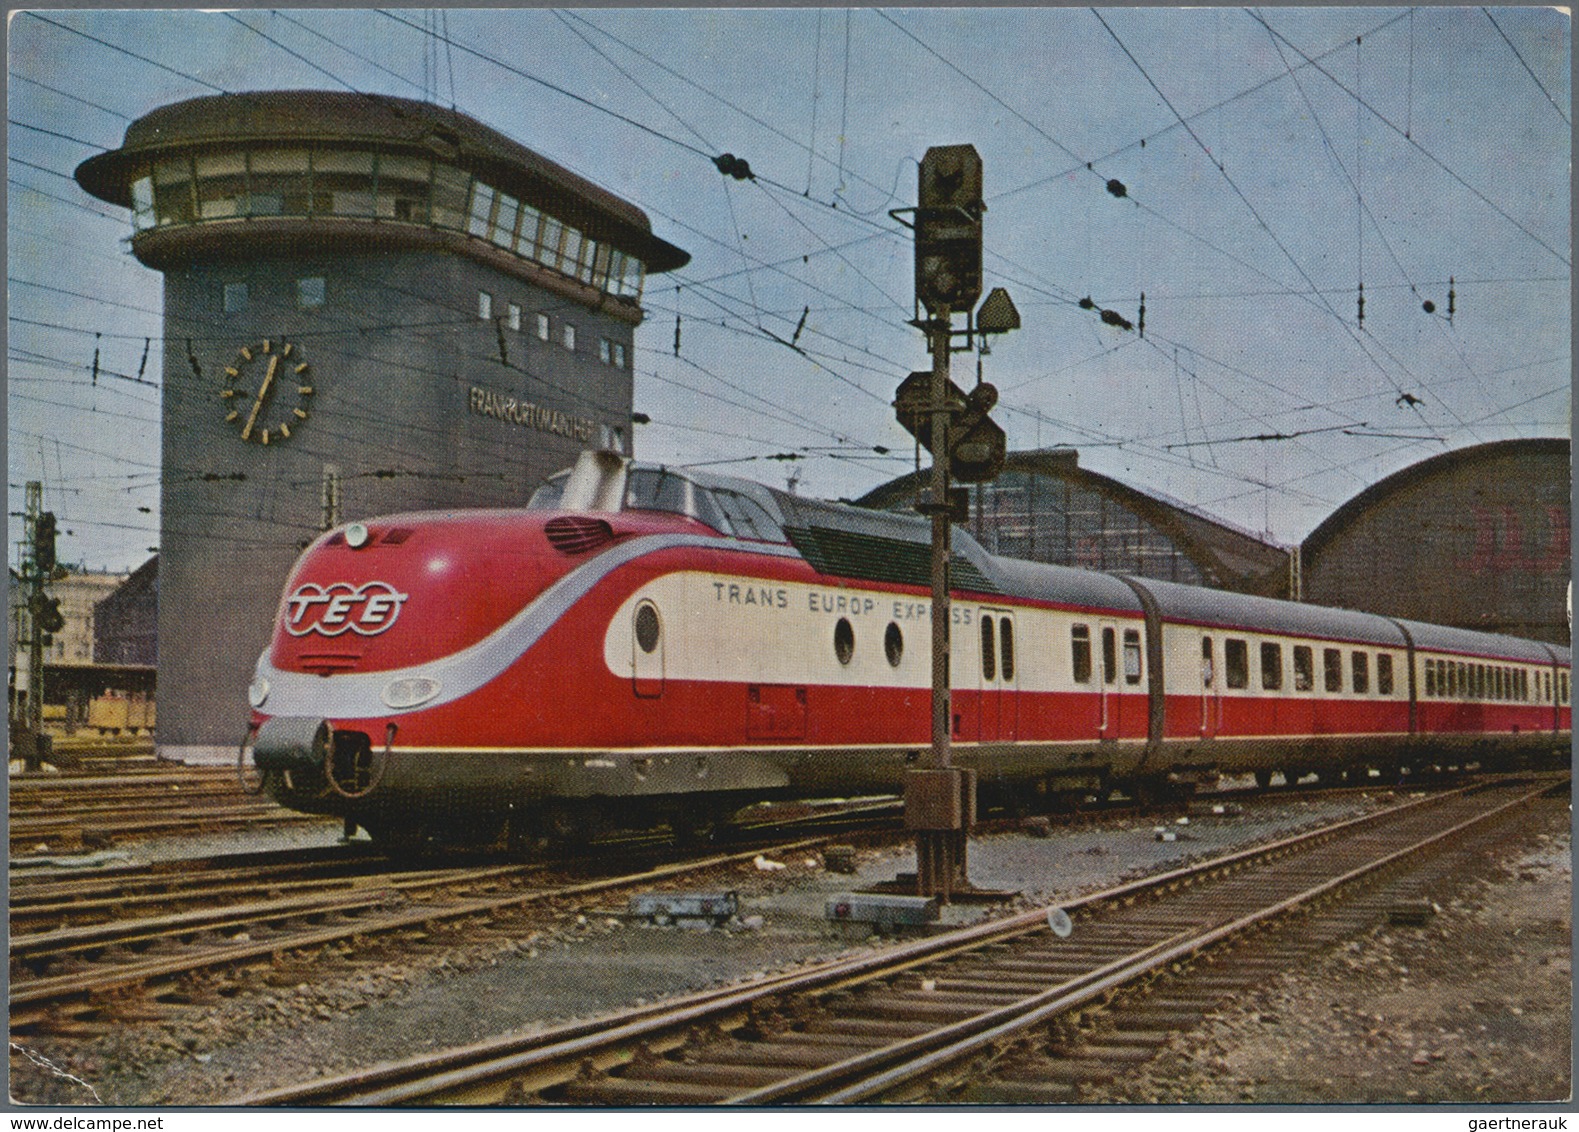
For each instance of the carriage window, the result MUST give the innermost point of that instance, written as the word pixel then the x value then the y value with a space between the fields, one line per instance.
pixel 1384 674
pixel 648 626
pixel 1207 675
pixel 844 640
pixel 1006 644
pixel 1236 655
pixel 894 644
pixel 1362 671
pixel 1271 666
pixel 989 652
pixel 1332 669
pixel 1080 652
pixel 1304 668
pixel 1562 687
pixel 1109 658
pixel 1132 656
pixel 1430 678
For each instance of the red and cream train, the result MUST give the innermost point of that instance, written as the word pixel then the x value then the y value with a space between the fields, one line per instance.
pixel 642 645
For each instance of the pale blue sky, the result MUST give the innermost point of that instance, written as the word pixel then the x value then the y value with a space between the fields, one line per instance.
pixel 1245 230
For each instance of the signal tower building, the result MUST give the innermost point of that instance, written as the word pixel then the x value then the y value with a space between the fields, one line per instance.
pixel 371 305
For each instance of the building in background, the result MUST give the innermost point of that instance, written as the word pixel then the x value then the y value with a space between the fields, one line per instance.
pixel 1479 537
pixel 1045 508
pixel 126 623
pixel 371 305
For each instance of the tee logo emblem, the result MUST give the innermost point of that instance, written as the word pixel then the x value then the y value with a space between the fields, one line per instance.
pixel 367 609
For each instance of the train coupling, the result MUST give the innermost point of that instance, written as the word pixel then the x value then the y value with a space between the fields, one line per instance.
pixel 298 743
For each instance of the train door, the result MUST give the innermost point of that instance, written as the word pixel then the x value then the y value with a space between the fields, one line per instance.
pixel 999 676
pixel 1108 724
pixel 1211 690
pixel 647 651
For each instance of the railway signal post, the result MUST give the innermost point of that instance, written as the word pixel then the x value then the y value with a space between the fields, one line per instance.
pixel 940 799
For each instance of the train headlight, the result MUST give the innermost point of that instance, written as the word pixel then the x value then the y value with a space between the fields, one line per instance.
pixel 257 691
pixel 410 691
pixel 356 536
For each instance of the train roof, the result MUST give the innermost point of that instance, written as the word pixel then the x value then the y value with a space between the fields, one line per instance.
pixel 1225 610
pixel 1445 638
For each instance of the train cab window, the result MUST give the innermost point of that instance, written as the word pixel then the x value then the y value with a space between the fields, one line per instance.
pixel 1384 674
pixel 1132 656
pixel 1006 648
pixel 989 650
pixel 748 518
pixel 1361 671
pixel 1332 669
pixel 1236 655
pixel 1080 652
pixel 659 489
pixel 1109 657
pixel 1304 668
pixel 1207 673
pixel 1271 666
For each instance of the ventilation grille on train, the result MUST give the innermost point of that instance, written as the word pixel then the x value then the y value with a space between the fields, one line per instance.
pixel 395 536
pixel 874 558
pixel 329 663
pixel 576 534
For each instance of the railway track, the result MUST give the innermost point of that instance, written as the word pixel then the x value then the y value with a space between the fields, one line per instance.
pixel 82 947
pixel 913 1021
pixel 61 812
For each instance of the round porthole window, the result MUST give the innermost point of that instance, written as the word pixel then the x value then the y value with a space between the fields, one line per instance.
pixel 894 644
pixel 647 627
pixel 844 640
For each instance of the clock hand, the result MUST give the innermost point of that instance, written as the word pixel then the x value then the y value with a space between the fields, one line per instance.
pixel 268 380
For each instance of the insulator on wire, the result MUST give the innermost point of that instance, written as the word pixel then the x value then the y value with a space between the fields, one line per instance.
pixel 96 359
pixel 143 365
pixel 1087 304
pixel 1361 305
pixel 1141 321
pixel 677 334
pixel 1452 298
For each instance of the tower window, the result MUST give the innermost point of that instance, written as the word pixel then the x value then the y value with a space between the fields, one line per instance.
pixel 619 355
pixel 605 351
pixel 310 292
pixel 568 336
pixel 484 305
pixel 542 327
pixel 235 297
pixel 513 316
